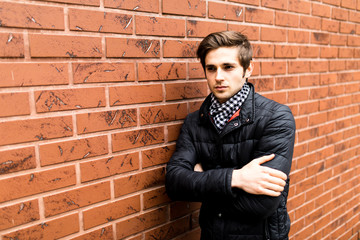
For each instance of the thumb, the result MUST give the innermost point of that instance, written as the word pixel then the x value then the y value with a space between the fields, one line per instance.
pixel 264 159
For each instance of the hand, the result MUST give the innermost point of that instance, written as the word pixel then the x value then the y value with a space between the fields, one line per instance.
pixel 198 168
pixel 260 180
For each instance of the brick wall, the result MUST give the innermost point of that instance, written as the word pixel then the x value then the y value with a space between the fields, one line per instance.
pixel 93 93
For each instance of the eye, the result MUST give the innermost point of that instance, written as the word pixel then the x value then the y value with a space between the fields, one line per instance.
pixel 228 67
pixel 210 68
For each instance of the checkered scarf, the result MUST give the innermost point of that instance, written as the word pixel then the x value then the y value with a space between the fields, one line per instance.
pixel 222 112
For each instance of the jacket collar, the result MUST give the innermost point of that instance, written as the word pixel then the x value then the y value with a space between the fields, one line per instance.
pixel 247 113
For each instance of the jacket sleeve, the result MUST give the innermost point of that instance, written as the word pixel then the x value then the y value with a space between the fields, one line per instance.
pixel 278 136
pixel 183 183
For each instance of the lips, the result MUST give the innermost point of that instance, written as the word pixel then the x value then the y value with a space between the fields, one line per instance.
pixel 220 88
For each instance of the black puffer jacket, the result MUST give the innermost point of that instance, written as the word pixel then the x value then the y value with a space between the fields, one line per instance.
pixel 263 127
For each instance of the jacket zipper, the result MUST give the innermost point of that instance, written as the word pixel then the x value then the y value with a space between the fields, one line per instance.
pixel 267 234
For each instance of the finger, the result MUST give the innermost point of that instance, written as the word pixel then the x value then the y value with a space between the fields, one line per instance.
pixel 264 159
pixel 270 192
pixel 275 173
pixel 273 187
pixel 275 180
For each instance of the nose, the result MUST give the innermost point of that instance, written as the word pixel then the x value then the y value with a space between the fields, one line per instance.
pixel 219 75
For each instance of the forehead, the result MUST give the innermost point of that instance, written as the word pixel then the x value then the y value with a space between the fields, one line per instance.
pixel 222 55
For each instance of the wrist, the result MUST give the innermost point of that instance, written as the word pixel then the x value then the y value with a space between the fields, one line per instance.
pixel 236 181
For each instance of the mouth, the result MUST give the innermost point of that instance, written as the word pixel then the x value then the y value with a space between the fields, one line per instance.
pixel 220 88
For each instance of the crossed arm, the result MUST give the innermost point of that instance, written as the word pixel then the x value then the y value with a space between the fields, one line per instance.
pixel 256 179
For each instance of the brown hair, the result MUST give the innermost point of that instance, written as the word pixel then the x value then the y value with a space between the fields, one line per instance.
pixel 226 39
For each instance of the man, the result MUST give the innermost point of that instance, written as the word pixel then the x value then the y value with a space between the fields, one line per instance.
pixel 234 154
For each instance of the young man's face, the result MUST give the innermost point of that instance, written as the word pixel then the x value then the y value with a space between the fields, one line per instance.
pixel 224 73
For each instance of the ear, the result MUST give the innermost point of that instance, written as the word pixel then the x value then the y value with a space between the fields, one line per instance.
pixel 249 70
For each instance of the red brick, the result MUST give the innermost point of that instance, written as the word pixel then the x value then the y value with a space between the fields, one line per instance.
pixel 69 99
pixel 140 223
pixel 263 84
pixel 100 21
pixel 318 93
pixel 203 28
pixel 310 22
pixel 173 132
pixel 132 48
pixel 354 16
pixel 155 197
pixel 31 16
pixel 170 230
pixel 161 71
pixel 308 107
pixel 286 82
pixel 17 160
pixel 37 182
pixel 14 104
pixel 348 4
pixel 195 71
pixel 319 66
pixel 320 10
pixel 180 49
pixel 131 94
pixel 336 65
pixel 340 14
pixel 61 152
pixel 192 235
pixel 286 19
pixel 346 53
pixel 194 106
pixel 283 51
pixel 255 15
pixel 309 52
pixel 328 52
pixel 100 121
pixel 309 80
pixel 226 11
pixel 351 65
pixel 103 72
pixel 330 25
pixel 273 34
pixel 138 138
pixel 35 129
pixel 81 2
pixel 157 156
pixel 76 198
pixel 160 26
pixel 163 113
pixel 140 181
pixel 111 211
pixel 299 6
pixel 250 2
pixel 298 36
pixel 52 229
pixel 348 28
pixel 263 50
pixel 299 67
pixel 282 4
pixel 252 32
pixel 318 118
pixel 175 91
pixel 273 68
pixel 33 74
pixel 11 45
pixel 298 96
pixel 18 214
pixel 134 5
pixel 110 166
pixel 42 45
pixel 100 234
pixel 184 7
pixel 339 40
pixel 353 41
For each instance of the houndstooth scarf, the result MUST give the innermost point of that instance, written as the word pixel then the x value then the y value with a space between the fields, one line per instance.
pixel 222 112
